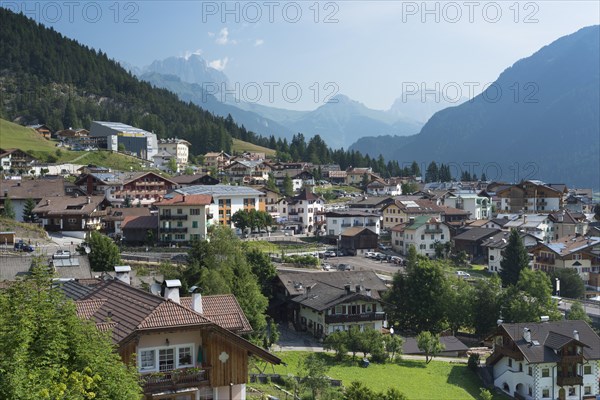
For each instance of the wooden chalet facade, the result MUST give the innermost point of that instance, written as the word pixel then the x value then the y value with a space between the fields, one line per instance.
pixel 184 349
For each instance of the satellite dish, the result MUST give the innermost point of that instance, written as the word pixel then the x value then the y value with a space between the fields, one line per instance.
pixel 87 250
pixel 155 288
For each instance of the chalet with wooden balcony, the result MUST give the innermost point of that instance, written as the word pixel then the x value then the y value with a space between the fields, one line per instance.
pixel 323 302
pixel 578 252
pixel 123 189
pixel 71 213
pixel 185 349
pixel 531 197
pixel 547 360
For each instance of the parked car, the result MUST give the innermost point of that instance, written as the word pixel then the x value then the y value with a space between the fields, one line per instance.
pixel 341 253
pixel 379 256
pixel 344 267
pixel 330 253
pixel 22 246
pixel 384 246
pixel 326 267
pixel 396 260
pixel 61 254
pixel 370 254
pixel 463 274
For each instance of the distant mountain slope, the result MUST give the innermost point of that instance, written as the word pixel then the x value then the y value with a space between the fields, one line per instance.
pixel 194 93
pixel 342 121
pixel 549 129
pixel 191 69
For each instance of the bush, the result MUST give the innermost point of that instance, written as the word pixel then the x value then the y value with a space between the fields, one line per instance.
pixel 301 260
pixel 473 362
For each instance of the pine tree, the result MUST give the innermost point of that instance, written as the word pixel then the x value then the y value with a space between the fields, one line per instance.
pixel 288 186
pixel 28 214
pixel 515 259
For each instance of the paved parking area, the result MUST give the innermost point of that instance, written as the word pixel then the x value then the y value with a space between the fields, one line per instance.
pixel 362 263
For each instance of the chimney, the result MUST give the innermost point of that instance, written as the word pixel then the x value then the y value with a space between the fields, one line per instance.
pixel 576 334
pixel 527 335
pixel 122 272
pixel 197 299
pixel 88 199
pixel 47 202
pixel 368 291
pixel 171 289
pixel 357 288
pixel 347 287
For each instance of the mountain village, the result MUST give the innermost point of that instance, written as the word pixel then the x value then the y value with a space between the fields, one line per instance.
pixel 357 227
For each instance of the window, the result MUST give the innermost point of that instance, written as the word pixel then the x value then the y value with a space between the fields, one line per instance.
pixel 185 358
pixel 195 211
pixel 546 393
pixel 587 369
pixel 529 371
pixel 422 237
pixel 442 237
pixel 194 224
pixel 432 237
pixel 179 237
pixel 179 224
pixel 166 359
pixel 545 372
pixel 491 258
pixel 572 391
pixel 147 359
pixel 587 390
pixel 71 221
pixel 179 211
pixel 510 362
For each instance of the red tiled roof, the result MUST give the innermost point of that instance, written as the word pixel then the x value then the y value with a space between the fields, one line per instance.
pixel 188 200
pixel 224 310
pixel 87 308
pixel 168 314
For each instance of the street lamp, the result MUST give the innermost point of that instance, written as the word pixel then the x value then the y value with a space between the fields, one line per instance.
pixel 557 286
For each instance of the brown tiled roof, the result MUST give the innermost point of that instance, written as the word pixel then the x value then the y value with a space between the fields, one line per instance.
pixel 306 194
pixel 551 336
pixel 32 188
pixel 224 310
pixel 453 211
pixel 58 205
pixel 188 200
pixel 141 222
pixel 168 313
pixel 87 308
pixel 137 175
pixel 357 230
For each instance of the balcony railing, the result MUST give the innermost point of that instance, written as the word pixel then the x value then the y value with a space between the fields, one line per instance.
pixel 292 212
pixel 346 225
pixel 433 231
pixel 173 230
pixel 169 217
pixel 174 380
pixel 569 380
pixel 572 359
pixel 371 224
pixel 341 318
pixel 357 223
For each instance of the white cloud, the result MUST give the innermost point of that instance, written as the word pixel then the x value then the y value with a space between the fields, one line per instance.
pixel 223 37
pixel 219 64
pixel 258 42
pixel 189 53
pixel 211 34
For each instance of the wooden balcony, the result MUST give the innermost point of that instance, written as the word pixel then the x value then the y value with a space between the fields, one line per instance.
pixel 341 318
pixel 174 380
pixel 572 380
pixel 173 230
pixel 572 359
pixel 430 231
pixel 167 217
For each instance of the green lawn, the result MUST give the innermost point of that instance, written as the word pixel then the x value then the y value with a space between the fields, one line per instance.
pixel 19 137
pixel 239 146
pixel 417 380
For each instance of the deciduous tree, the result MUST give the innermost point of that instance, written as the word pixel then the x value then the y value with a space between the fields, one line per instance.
pixel 429 344
pixel 104 253
pixel 47 352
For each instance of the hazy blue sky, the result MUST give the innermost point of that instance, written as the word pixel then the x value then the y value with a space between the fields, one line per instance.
pixel 369 50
